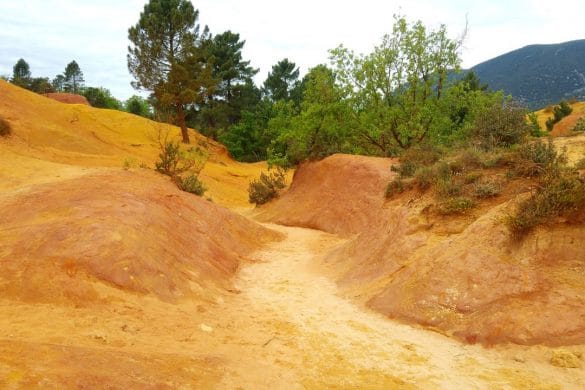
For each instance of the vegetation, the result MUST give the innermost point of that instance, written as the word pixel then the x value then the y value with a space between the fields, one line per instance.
pixel 267 186
pixel 182 166
pixel 168 56
pixel 559 112
pixel 580 125
pixel 500 125
pixel 5 128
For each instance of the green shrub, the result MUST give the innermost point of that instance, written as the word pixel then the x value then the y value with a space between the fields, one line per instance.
pixel 535 129
pixel 424 178
pixel 559 195
pixel 448 188
pixel 267 187
pixel 538 158
pixel 191 184
pixel 470 158
pixel 455 206
pixel 559 112
pixel 580 164
pixel 5 128
pixel 486 189
pixel 397 186
pixel 500 125
pixel 580 125
pixel 472 177
pixel 418 156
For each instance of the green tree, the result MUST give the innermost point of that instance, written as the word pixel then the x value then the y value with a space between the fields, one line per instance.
pixel 282 83
pixel 59 83
pixel 41 85
pixel 168 56
pixel 101 98
pixel 21 75
pixel 235 91
pixel 73 78
pixel 138 106
pixel 396 90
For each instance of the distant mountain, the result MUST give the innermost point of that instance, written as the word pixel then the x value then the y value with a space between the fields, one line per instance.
pixel 538 75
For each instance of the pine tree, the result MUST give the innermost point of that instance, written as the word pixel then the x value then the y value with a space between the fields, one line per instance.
pixel 168 56
pixel 21 75
pixel 73 78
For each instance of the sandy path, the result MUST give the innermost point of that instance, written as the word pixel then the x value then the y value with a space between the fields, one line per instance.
pixel 303 334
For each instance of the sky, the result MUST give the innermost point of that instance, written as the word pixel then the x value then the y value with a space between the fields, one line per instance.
pixel 49 34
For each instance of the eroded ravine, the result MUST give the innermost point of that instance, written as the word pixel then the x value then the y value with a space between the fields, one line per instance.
pixel 301 333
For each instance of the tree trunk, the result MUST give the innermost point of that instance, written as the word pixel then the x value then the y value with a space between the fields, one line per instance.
pixel 182 124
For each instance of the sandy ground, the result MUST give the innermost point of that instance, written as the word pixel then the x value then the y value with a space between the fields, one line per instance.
pixel 285 325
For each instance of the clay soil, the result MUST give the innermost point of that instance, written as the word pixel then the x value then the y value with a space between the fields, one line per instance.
pixel 112 278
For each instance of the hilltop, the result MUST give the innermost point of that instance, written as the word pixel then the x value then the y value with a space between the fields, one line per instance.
pixel 538 75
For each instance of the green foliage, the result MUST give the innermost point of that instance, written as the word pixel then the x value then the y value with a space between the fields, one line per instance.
pixel 538 159
pixel 486 189
pixel 447 187
pixel 500 125
pixel 580 125
pixel 5 128
pixel 192 184
pixel 138 106
pixel 397 186
pixel 267 187
pixel 559 195
pixel 397 89
pixel 101 98
pixel 535 129
pixel 412 159
pixel 21 75
pixel 559 112
pixel 458 205
pixel 282 82
pixel 73 78
pixel 169 56
pixel 41 85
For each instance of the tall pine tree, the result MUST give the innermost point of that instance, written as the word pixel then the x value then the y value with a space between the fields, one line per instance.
pixel 168 56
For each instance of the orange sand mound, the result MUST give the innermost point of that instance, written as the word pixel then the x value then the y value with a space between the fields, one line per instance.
pixel 340 194
pixel 462 275
pixel 131 229
pixel 68 98
pixel 77 135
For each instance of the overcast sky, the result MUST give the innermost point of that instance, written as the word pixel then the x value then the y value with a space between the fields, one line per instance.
pixel 48 34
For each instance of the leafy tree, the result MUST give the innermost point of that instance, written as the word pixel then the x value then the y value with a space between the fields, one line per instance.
pixel 282 82
pixel 41 85
pixel 396 90
pixel 101 98
pixel 138 106
pixel 168 56
pixel 21 75
pixel 73 78
pixel 59 83
pixel 324 125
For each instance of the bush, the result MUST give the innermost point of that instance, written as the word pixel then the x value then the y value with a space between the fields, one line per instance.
pixel 535 129
pixel 267 187
pixel 559 112
pixel 486 189
pixel 396 186
pixel 455 206
pixel 191 184
pixel 447 188
pixel 500 125
pixel 424 178
pixel 580 125
pixel 559 195
pixel 5 128
pixel 416 157
pixel 537 159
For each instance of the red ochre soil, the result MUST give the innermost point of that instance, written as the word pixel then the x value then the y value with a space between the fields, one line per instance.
pixel 462 275
pixel 68 98
pixel 113 278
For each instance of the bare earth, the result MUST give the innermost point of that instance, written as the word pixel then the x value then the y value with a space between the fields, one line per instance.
pixel 285 326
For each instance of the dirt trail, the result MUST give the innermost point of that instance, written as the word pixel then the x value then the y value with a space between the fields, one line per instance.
pixel 301 333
